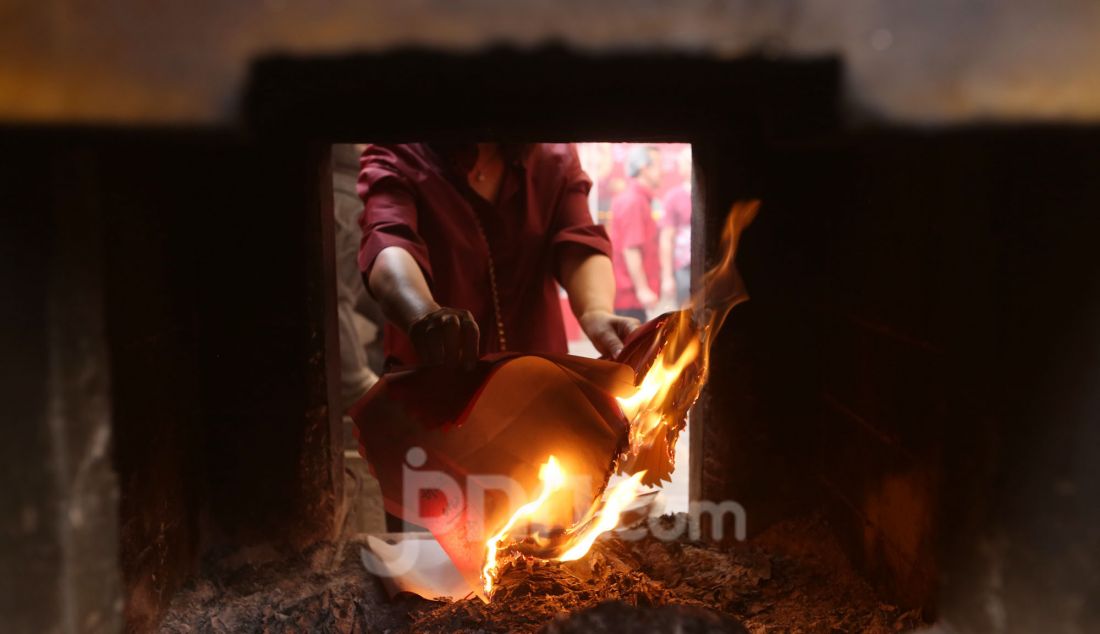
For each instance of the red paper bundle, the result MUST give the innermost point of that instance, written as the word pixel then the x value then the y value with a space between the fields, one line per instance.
pixel 458 452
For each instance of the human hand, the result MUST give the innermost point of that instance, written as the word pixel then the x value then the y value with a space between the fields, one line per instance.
pixel 607 330
pixel 446 336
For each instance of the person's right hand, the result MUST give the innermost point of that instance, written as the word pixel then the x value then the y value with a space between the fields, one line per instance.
pixel 647 297
pixel 446 336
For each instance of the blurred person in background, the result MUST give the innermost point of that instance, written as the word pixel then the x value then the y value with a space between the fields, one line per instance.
pixel 464 245
pixel 634 234
pixel 675 237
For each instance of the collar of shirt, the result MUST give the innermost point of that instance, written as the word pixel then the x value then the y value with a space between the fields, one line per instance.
pixel 455 160
pixel 461 157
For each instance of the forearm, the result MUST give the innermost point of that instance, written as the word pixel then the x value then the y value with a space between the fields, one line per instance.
pixel 590 283
pixel 398 284
pixel 588 280
pixel 634 268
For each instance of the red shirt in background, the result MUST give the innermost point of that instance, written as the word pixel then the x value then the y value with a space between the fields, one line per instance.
pixel 677 208
pixel 633 227
pixel 416 196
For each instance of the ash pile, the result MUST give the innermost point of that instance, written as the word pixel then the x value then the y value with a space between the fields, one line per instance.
pixel 793 578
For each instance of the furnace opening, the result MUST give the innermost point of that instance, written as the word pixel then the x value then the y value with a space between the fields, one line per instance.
pixel 519 569
pixel 639 194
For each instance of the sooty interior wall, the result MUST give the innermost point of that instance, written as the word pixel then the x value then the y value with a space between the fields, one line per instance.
pixel 216 319
pixel 916 361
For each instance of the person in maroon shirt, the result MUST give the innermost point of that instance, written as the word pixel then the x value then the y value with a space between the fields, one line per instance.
pixel 463 245
pixel 638 273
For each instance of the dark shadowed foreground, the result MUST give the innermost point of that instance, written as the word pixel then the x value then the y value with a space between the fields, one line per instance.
pixel 792 578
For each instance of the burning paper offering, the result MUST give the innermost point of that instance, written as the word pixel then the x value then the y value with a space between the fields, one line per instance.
pixel 512 460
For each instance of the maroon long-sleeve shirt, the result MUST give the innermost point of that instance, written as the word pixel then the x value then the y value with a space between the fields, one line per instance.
pixel 416 196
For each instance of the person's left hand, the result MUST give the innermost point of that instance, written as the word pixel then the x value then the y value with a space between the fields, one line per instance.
pixel 607 330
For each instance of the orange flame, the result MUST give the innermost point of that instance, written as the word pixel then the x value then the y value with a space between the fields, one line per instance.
pixel 657 410
pixel 615 502
pixel 552 478
pixel 601 517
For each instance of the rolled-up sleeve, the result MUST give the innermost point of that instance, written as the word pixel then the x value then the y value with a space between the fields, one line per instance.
pixel 573 221
pixel 389 210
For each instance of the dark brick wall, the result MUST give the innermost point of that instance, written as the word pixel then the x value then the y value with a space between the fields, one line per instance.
pixel 152 278
pixel 216 280
pixel 58 523
pixel 916 361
